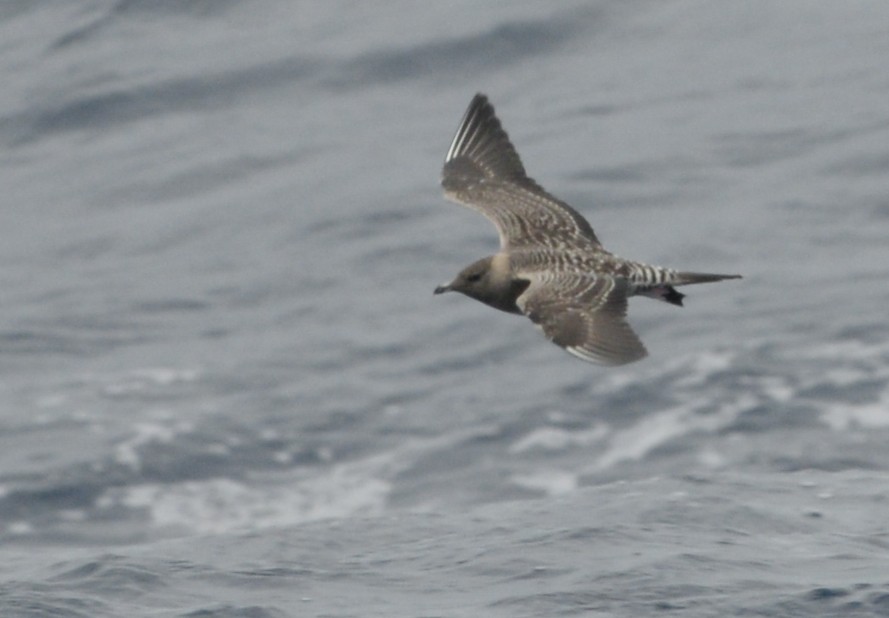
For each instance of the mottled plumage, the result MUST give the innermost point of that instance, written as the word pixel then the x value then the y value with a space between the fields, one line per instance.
pixel 551 266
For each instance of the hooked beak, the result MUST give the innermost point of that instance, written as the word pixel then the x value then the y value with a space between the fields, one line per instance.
pixel 442 289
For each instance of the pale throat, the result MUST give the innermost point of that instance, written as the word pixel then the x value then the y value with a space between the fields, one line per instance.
pixel 506 289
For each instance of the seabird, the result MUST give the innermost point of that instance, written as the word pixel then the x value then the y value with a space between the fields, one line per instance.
pixel 551 266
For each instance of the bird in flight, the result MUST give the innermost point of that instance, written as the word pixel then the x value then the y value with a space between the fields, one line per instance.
pixel 551 266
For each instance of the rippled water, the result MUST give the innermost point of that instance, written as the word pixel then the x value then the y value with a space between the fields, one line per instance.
pixel 227 389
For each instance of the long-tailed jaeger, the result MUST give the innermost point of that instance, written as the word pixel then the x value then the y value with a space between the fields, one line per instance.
pixel 551 266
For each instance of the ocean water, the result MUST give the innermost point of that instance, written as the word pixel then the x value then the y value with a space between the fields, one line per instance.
pixel 226 389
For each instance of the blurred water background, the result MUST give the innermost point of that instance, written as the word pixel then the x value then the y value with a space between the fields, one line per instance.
pixel 227 390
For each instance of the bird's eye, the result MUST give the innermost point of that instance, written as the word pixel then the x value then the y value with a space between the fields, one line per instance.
pixel 474 277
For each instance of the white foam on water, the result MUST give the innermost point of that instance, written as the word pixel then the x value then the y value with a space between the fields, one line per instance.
pixel 856 364
pixel 146 379
pixel 19 528
pixel 702 366
pixel 355 488
pixel 128 452
pixel 776 388
pixel 848 416
pixel 551 482
pixel 223 505
pixel 558 439
pixel 848 351
pixel 635 442
pixel 711 458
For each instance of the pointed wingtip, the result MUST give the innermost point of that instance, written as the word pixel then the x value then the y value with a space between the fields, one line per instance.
pixel 611 358
pixel 481 148
pixel 480 98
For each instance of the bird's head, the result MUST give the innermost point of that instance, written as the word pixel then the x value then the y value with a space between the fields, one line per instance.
pixel 473 281
pixel 489 281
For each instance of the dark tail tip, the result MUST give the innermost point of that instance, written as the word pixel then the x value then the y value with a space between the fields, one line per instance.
pixel 672 296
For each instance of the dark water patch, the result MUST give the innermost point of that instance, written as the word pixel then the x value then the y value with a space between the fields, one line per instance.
pixel 28 342
pixel 880 210
pixel 10 9
pixel 855 600
pixel 198 94
pixel 870 333
pixel 564 603
pixel 493 50
pixel 198 179
pixel 602 109
pixel 824 462
pixel 137 9
pixel 16 504
pixel 64 342
pixel 171 305
pixel 750 149
pixel 827 594
pixel 880 601
pixel 609 175
pixel 763 418
pixel 230 611
pixel 860 165
pixel 112 576
pixel 46 602
pixel 765 147
pixel 200 9
pixel 85 249
pixel 859 392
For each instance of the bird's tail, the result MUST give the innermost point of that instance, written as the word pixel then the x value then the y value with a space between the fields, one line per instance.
pixel 682 278
pixel 666 292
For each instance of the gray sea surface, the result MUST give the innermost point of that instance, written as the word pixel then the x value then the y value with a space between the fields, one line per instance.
pixel 226 389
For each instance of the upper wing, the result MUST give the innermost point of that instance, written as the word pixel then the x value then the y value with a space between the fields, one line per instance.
pixel 482 170
pixel 583 314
